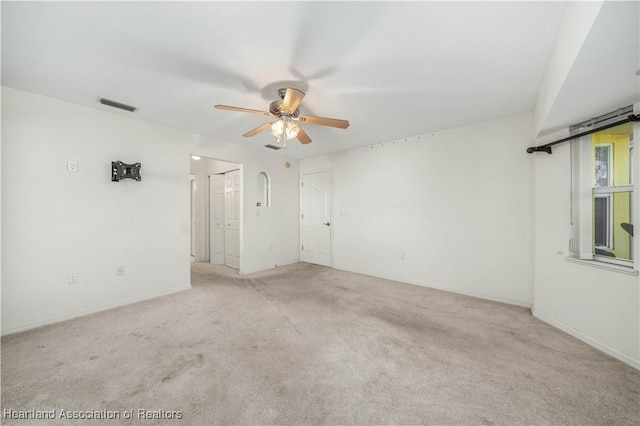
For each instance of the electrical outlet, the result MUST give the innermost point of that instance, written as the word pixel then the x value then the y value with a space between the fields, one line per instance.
pixel 74 278
pixel 120 270
pixel 72 166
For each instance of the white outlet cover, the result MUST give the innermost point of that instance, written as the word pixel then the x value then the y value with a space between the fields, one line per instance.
pixel 72 166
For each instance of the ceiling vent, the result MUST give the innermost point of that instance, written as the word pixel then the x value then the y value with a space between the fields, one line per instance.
pixel 115 104
pixel 272 146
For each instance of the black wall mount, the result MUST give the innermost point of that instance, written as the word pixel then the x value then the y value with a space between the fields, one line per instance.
pixel 120 170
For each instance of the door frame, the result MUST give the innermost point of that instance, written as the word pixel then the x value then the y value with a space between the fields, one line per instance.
pixel 310 172
pixel 193 216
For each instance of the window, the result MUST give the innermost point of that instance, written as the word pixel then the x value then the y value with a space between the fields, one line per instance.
pixel 603 192
pixel 602 206
pixel 602 222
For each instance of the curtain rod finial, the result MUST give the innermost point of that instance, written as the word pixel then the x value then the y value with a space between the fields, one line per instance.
pixel 542 148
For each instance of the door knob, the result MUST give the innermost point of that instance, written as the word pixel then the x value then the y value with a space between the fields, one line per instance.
pixel 328 223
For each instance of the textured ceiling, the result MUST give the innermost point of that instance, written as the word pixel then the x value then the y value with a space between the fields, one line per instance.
pixel 392 69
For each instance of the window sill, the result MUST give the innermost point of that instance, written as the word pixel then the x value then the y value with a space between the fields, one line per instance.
pixel 603 265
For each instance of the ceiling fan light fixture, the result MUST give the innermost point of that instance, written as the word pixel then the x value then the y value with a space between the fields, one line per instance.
pixel 292 130
pixel 278 128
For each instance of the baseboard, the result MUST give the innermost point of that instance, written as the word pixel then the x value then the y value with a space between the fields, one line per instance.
pixel 266 268
pixel 589 341
pixel 464 293
pixel 55 320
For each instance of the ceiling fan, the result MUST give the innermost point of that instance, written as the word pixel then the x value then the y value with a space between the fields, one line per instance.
pixel 286 111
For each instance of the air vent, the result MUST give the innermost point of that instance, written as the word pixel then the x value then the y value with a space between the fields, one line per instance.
pixel 272 146
pixel 115 104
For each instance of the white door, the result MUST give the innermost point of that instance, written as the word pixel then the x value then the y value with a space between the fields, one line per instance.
pixel 232 219
pixel 316 218
pixel 194 198
pixel 216 217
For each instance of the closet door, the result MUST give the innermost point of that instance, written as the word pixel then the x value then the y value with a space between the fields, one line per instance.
pixel 216 217
pixel 232 219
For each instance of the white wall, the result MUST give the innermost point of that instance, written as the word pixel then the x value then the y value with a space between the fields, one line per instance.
pixel 577 20
pixel 597 306
pixel 456 202
pixel 54 222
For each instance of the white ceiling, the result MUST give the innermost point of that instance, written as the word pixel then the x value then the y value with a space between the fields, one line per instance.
pixel 392 69
pixel 606 74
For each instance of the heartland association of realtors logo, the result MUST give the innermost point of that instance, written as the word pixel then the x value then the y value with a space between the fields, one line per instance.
pixel 62 414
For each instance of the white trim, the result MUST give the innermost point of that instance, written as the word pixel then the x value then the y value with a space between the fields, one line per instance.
pixel 613 261
pixel 55 320
pixel 268 268
pixel 635 175
pixel 588 340
pixel 193 217
pixel 242 195
pixel 513 302
pixel 604 265
pixel 612 189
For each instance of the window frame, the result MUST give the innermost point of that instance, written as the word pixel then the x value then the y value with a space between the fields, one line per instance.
pixel 583 192
pixel 609 220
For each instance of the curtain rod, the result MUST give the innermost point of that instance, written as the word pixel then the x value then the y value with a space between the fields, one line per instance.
pixel 547 147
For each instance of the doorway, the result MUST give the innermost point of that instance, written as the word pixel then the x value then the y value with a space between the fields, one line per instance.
pixel 225 199
pixel 217 226
pixel 316 200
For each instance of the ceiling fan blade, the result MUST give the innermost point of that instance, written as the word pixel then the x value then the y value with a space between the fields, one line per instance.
pixel 303 137
pixel 257 130
pixel 251 111
pixel 322 121
pixel 292 100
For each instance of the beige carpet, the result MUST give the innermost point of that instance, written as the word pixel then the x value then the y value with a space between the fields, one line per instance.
pixel 304 344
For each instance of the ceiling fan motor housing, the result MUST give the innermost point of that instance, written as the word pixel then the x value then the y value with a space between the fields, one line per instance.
pixel 276 109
